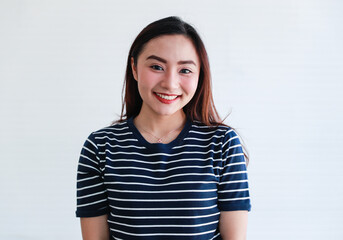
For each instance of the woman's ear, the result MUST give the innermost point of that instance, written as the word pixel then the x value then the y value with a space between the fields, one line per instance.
pixel 134 69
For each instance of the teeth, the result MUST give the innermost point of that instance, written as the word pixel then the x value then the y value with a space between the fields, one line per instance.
pixel 166 97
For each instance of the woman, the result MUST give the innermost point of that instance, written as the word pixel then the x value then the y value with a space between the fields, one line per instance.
pixel 169 168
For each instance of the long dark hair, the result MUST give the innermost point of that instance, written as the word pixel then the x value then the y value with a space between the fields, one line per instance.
pixel 201 107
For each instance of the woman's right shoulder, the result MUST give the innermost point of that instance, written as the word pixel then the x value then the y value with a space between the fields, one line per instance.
pixel 115 129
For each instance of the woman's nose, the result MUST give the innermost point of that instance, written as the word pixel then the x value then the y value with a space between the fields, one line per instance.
pixel 171 80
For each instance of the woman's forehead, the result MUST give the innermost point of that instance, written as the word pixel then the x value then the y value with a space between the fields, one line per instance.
pixel 171 47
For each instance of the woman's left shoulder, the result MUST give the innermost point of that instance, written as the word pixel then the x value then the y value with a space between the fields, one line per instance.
pixel 219 129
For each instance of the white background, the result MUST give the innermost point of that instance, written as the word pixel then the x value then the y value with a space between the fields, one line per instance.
pixel 277 68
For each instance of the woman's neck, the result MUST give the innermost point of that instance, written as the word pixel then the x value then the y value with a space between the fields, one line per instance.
pixel 160 128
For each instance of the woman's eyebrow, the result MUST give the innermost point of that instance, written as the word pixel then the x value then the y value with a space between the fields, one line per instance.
pixel 156 58
pixel 165 61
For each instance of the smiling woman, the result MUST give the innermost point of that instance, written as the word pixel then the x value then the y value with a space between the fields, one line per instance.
pixel 168 168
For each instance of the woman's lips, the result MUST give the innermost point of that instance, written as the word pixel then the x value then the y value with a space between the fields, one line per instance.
pixel 166 98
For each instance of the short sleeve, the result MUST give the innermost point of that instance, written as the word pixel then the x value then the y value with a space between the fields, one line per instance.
pixel 233 190
pixel 91 191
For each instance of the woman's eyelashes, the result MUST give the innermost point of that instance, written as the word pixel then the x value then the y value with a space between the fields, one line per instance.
pixel 159 68
pixel 185 71
pixel 156 67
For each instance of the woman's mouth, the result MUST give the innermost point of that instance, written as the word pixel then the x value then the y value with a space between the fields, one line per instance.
pixel 166 98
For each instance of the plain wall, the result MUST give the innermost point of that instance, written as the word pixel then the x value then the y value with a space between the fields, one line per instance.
pixel 277 68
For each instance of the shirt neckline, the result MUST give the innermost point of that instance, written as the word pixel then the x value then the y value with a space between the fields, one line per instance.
pixel 163 146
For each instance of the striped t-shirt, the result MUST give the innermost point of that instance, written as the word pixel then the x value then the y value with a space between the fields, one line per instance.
pixel 162 191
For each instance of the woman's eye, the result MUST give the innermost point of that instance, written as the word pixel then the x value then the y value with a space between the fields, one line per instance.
pixel 185 71
pixel 156 67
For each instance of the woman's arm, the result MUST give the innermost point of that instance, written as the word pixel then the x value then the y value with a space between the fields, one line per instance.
pixel 233 225
pixel 95 228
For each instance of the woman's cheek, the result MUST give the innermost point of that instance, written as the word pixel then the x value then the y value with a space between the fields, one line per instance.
pixel 149 76
pixel 191 84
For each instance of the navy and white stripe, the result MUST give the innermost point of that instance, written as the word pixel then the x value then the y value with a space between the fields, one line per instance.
pixel 162 191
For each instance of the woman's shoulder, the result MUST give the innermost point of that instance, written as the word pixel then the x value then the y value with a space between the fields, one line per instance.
pixel 218 127
pixel 116 128
pixel 221 134
pixel 222 130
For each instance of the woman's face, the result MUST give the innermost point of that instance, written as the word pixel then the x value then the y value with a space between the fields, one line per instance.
pixel 167 74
